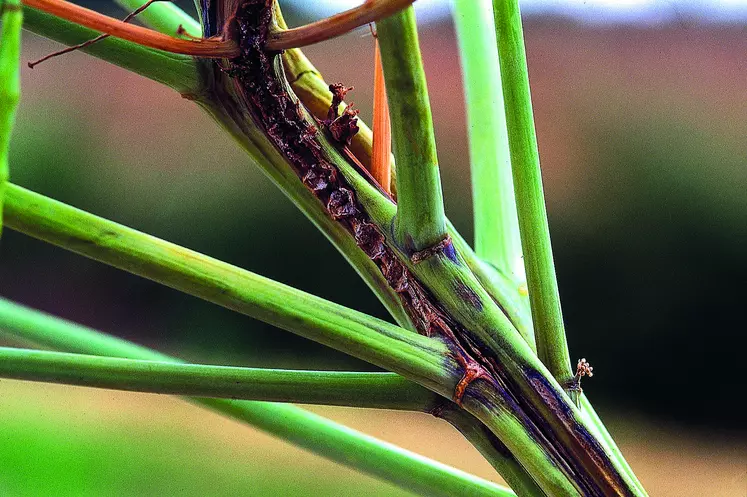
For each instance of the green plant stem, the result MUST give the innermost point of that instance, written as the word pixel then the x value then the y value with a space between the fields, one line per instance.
pixel 293 424
pixel 494 452
pixel 164 17
pixel 547 316
pixel 420 221
pixel 341 388
pixel 422 359
pixel 10 84
pixel 497 239
pixel 179 72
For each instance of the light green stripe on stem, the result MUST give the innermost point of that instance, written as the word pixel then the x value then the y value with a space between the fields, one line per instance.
pixel 420 221
pixel 497 238
pixel 293 424
pixel 10 84
pixel 544 298
pixel 340 388
pixel 419 358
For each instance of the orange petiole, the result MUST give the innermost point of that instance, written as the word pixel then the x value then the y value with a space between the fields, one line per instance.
pixel 381 162
pixel 202 47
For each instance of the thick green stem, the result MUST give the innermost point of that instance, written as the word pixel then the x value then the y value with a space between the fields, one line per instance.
pixel 420 221
pixel 293 424
pixel 341 388
pixel 544 298
pixel 179 72
pixel 494 452
pixel 497 239
pixel 10 84
pixel 422 359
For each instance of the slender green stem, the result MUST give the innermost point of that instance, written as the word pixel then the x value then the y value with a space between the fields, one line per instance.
pixel 251 139
pixel 164 17
pixel 371 390
pixel 420 221
pixel 293 424
pixel 10 84
pixel 422 359
pixel 179 72
pixel 497 239
pixel 544 298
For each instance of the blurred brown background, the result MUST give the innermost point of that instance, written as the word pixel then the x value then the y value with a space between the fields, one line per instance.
pixel 642 140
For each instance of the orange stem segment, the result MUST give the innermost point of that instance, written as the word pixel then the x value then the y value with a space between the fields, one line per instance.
pixel 336 25
pixel 210 47
pixel 381 163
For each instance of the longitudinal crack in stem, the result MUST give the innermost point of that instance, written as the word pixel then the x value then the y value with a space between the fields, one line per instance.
pixel 252 87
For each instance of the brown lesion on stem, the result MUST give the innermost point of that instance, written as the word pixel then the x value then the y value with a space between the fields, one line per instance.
pixel 473 370
pixel 428 252
pixel 343 126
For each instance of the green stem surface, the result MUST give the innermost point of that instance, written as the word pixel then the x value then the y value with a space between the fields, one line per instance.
pixel 422 359
pixel 497 239
pixel 420 222
pixel 340 388
pixel 544 298
pixel 293 424
pixel 10 84
pixel 164 17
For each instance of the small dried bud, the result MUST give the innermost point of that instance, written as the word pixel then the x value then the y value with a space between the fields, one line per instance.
pixel 583 368
pixel 344 128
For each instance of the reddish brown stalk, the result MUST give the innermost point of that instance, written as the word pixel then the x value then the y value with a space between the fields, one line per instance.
pixel 381 161
pixel 203 47
pixel 336 25
pixel 93 40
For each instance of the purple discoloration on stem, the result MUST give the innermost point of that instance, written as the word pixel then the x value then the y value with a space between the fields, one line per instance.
pixel 251 86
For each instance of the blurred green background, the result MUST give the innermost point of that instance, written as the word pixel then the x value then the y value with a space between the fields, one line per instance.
pixel 642 139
